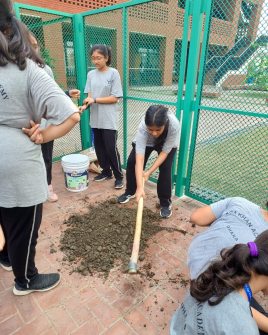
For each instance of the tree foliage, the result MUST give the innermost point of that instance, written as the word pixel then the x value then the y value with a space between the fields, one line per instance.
pixel 257 73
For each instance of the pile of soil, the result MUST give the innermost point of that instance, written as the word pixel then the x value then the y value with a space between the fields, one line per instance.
pixel 101 239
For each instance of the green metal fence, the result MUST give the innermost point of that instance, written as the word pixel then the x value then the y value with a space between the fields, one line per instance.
pixel 228 154
pixel 205 60
pixel 55 34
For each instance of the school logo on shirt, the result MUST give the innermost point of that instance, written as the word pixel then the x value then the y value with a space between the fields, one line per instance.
pixel 243 218
pixel 3 93
pixel 109 82
pixel 199 319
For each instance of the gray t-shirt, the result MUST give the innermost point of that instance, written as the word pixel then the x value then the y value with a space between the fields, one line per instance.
pixel 49 71
pixel 104 84
pixel 26 95
pixel 230 317
pixel 144 139
pixel 237 221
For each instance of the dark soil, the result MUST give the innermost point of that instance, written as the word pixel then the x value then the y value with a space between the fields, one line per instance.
pixel 98 241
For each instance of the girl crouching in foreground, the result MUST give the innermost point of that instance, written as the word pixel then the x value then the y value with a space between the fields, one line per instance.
pixel 219 299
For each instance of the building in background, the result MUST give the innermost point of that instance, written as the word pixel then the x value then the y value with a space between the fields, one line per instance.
pixel 70 6
pixel 155 37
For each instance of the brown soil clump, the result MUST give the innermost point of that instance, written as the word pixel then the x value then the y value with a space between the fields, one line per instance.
pixel 98 241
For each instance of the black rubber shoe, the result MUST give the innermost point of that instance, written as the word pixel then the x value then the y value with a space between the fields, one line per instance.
pixel 42 283
pixel 118 183
pixel 124 198
pixel 102 177
pixel 165 212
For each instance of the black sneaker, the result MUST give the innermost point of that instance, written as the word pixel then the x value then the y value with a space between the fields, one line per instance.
pixel 102 177
pixel 118 183
pixel 6 265
pixel 124 198
pixel 165 212
pixel 42 283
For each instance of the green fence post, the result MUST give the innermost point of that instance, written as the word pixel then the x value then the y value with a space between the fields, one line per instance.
pixel 16 7
pixel 202 65
pixel 195 9
pixel 81 72
pixel 125 82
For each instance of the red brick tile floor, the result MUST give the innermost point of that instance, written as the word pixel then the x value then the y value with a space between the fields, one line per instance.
pixel 122 305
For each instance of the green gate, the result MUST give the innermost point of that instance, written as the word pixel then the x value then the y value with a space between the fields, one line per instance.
pixel 205 60
pixel 227 103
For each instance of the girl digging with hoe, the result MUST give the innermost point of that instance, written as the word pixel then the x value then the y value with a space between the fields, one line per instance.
pixel 159 131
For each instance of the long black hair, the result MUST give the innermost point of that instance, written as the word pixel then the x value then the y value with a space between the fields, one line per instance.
pixel 156 115
pixel 231 272
pixel 14 43
pixel 103 50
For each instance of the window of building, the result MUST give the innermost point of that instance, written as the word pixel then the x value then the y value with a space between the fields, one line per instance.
pixel 181 3
pixel 146 59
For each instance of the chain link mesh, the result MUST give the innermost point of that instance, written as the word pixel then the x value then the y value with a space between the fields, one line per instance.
pixel 153 46
pixel 228 150
pixel 236 75
pixel 230 157
pixel 54 34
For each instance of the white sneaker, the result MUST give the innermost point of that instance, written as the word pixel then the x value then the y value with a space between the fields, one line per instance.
pixel 52 197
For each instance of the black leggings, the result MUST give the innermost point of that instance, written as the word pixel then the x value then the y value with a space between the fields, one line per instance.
pixel 20 226
pixel 164 182
pixel 107 152
pixel 47 151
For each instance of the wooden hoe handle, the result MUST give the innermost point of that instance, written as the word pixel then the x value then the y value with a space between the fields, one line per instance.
pixel 132 266
pixel 2 239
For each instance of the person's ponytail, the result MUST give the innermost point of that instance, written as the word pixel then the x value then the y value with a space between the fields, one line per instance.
pixel 232 271
pixel 14 44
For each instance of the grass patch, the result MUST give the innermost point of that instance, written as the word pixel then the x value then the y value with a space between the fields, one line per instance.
pixel 237 166
pixel 252 94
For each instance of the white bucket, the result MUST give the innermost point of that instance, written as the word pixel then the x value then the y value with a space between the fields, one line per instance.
pixel 75 169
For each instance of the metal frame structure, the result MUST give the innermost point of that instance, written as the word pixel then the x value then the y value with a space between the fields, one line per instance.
pixel 190 86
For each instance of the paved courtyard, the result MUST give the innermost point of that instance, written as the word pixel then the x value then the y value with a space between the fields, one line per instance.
pixel 124 304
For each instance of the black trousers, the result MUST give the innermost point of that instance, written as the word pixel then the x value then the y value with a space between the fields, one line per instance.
pixel 47 151
pixel 164 183
pixel 20 226
pixel 107 152
pixel 257 306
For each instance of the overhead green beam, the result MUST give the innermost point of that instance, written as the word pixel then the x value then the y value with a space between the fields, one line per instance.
pixel 154 101
pixel 41 9
pixel 234 111
pixel 46 23
pixel 114 7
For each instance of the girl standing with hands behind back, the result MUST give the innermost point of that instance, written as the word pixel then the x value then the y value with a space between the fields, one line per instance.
pixel 104 89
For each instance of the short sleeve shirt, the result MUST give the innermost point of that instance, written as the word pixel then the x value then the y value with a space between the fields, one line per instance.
pixel 144 139
pixel 237 221
pixel 26 95
pixel 104 84
pixel 230 317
